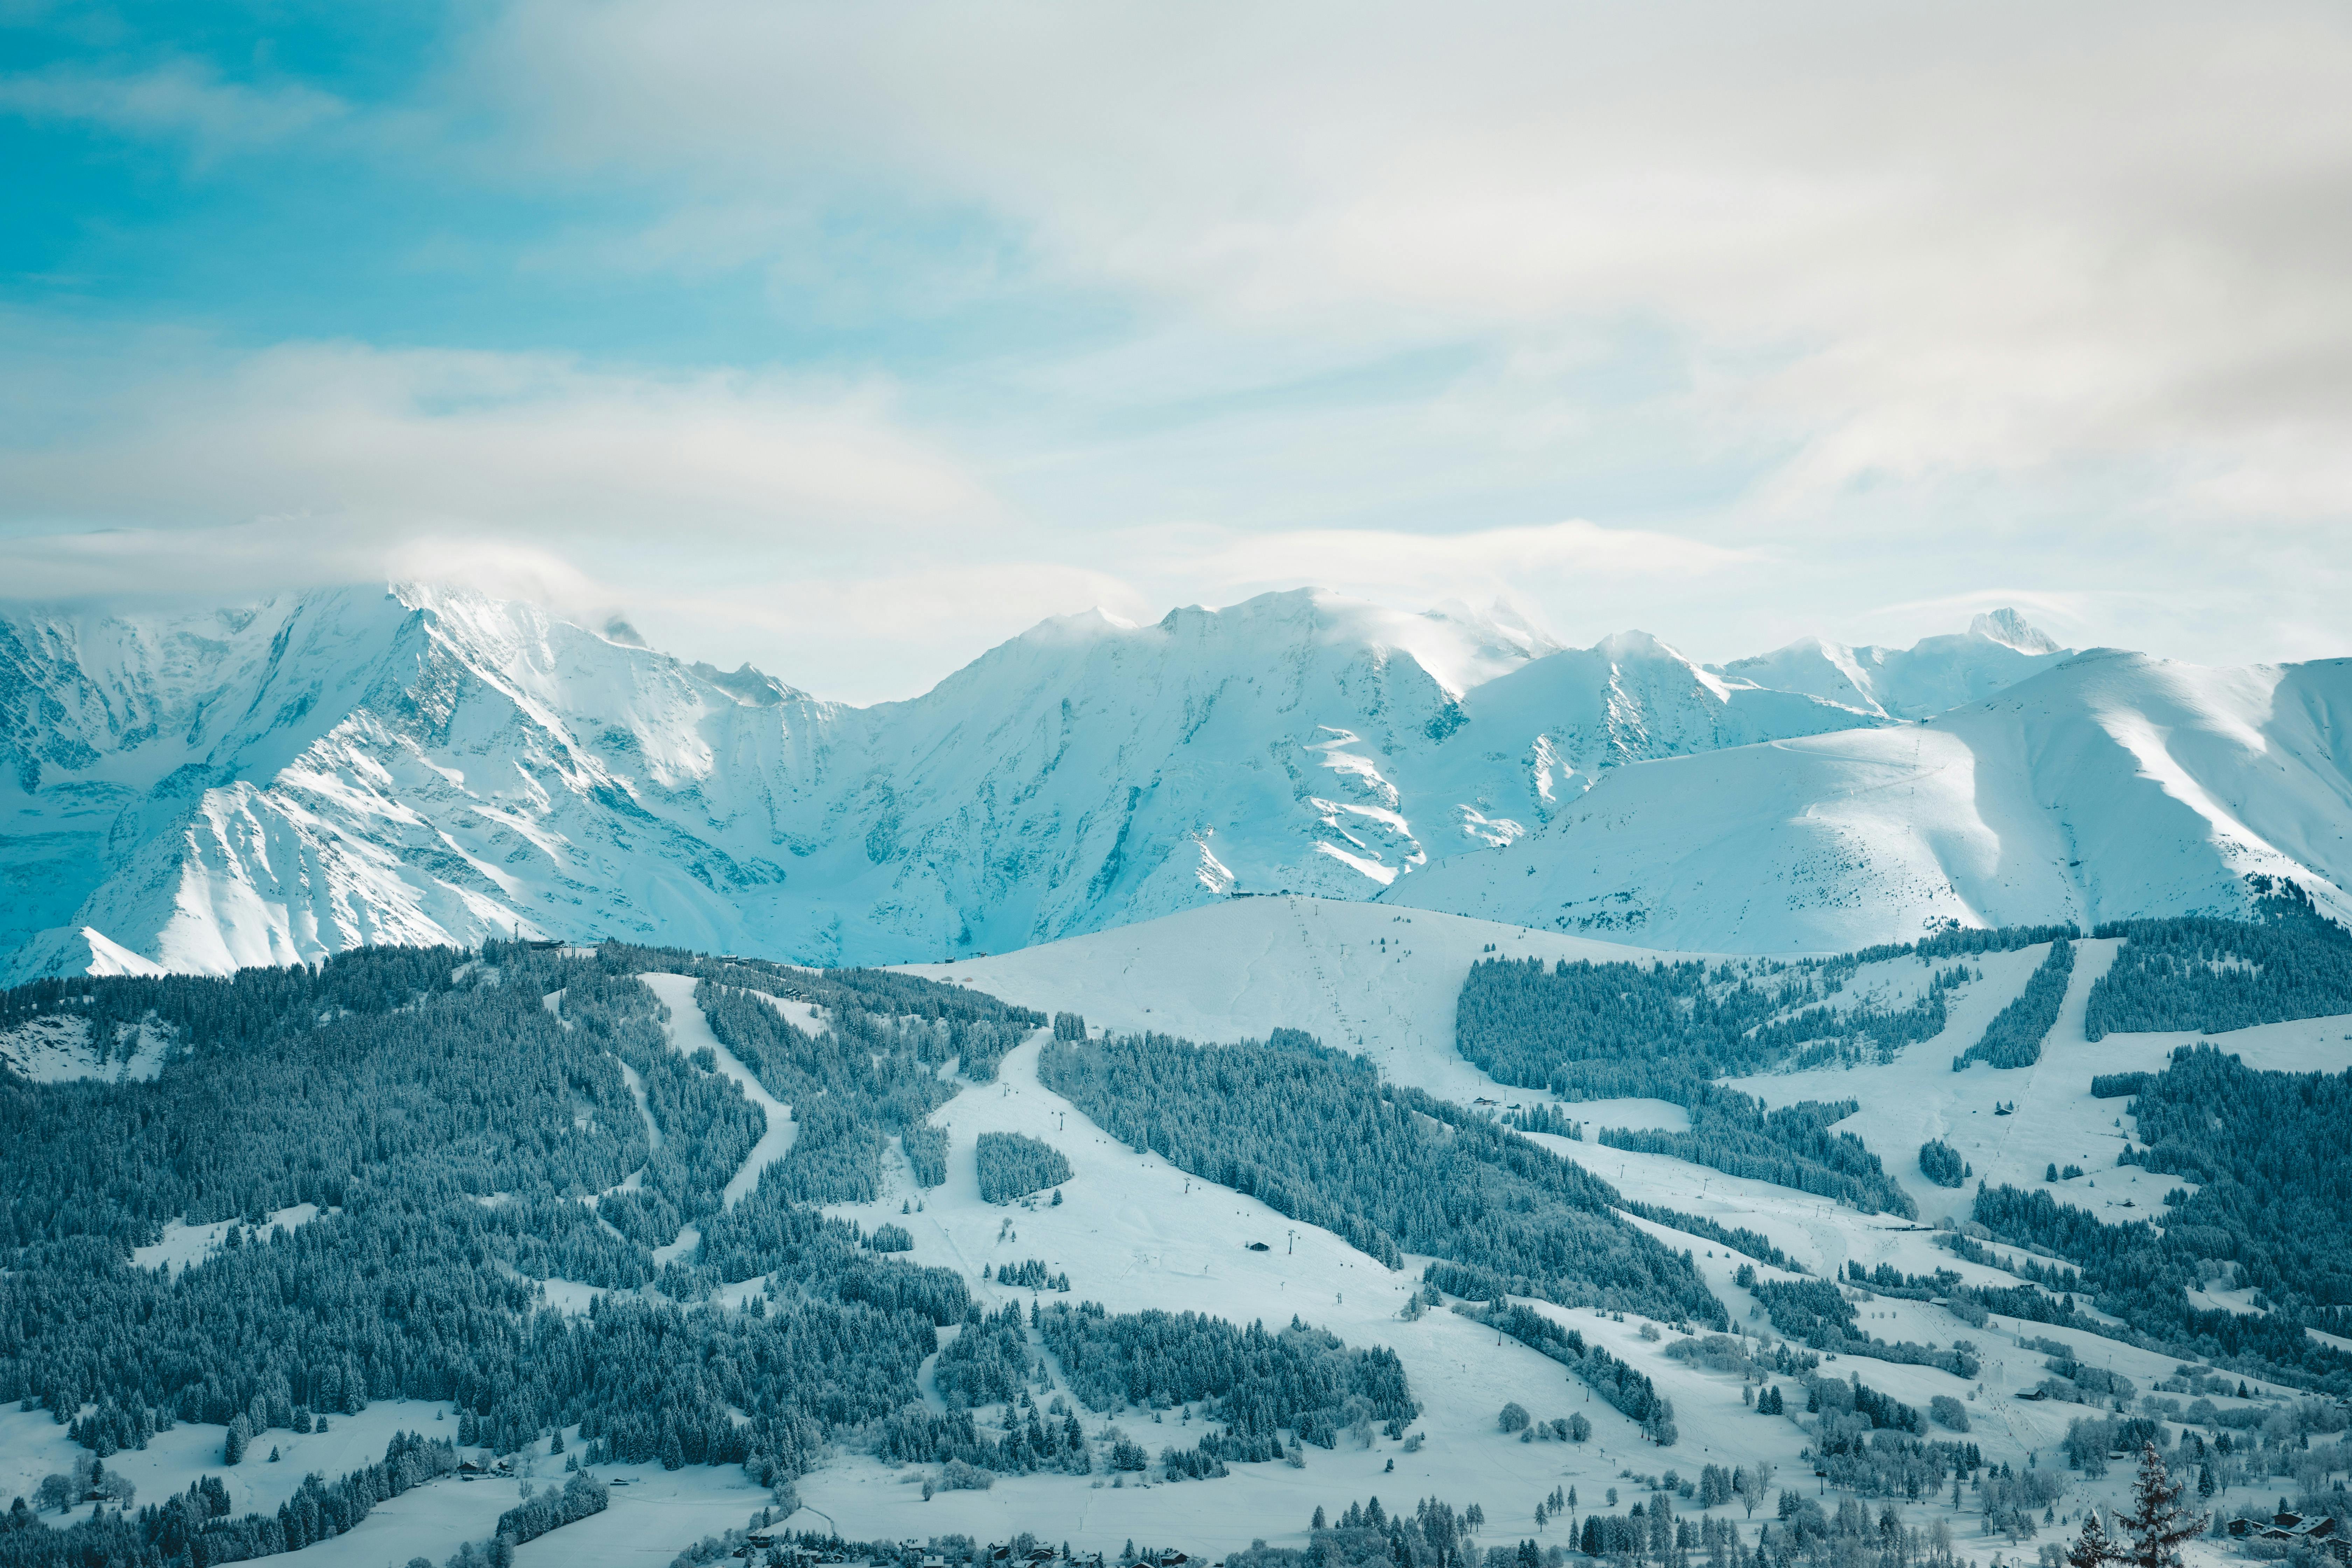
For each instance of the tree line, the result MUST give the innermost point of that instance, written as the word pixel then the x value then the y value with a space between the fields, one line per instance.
pixel 2267 1152
pixel 2213 975
pixel 2013 1039
pixel 1314 1134
pixel 464 1142
pixel 1255 1380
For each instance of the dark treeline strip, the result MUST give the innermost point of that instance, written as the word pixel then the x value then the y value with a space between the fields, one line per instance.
pixel 1737 1237
pixel 1965 942
pixel 193 1527
pixel 1973 1304
pixel 1789 1145
pixel 2268 1150
pixel 455 1128
pixel 1667 1031
pixel 1816 1314
pixel 1594 1031
pixel 1013 1164
pixel 2013 1039
pixel 1257 1381
pixel 1632 1393
pixel 582 1496
pixel 2213 975
pixel 1314 1134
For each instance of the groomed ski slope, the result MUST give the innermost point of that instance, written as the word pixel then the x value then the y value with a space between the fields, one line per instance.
pixel 689 1032
pixel 1306 964
pixel 1136 1233
pixel 1367 978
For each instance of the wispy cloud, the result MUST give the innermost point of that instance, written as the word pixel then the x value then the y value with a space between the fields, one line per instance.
pixel 184 98
pixel 1905 243
pixel 853 340
pixel 357 438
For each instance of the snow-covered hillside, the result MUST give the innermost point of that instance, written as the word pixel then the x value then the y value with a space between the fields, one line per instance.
pixel 1998 650
pixel 275 783
pixel 2111 785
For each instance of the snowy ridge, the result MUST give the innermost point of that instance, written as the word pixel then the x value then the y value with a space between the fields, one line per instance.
pixel 1998 650
pixel 271 784
pixel 2111 785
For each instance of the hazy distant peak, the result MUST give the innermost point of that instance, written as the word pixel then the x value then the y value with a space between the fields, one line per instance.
pixel 1501 626
pixel 753 688
pixel 1633 644
pixel 2008 627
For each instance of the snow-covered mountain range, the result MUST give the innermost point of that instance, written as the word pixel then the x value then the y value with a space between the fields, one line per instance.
pixel 275 781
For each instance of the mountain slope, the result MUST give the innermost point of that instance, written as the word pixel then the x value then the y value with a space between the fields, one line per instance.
pixel 1998 650
pixel 2109 785
pixel 273 784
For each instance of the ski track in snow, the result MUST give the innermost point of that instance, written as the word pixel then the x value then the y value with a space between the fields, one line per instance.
pixel 1135 1233
pixel 689 1032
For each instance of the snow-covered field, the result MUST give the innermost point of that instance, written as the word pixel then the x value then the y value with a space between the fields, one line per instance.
pixel 1368 978
pixel 1136 1233
pixel 33 1446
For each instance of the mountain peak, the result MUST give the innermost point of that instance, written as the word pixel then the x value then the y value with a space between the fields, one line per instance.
pixel 2010 628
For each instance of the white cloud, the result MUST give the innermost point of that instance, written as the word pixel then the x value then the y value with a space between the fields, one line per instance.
pixel 355 438
pixel 1835 319
pixel 1905 242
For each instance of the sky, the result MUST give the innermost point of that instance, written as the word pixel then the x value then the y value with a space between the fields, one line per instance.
pixel 850 341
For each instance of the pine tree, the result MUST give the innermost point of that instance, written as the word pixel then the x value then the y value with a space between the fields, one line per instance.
pixel 1319 1517
pixel 2094 1548
pixel 2157 1522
